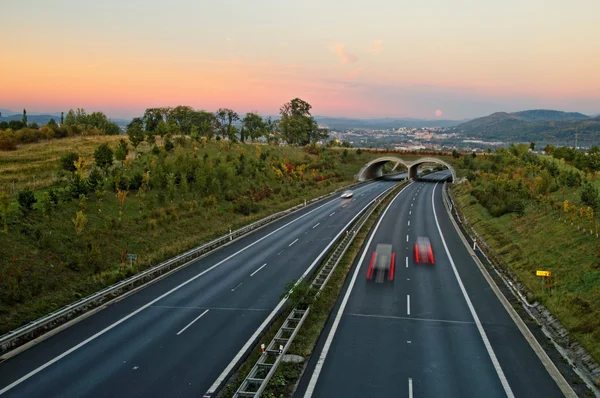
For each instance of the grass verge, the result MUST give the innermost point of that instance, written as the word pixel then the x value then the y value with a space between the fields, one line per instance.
pixel 538 240
pixel 283 382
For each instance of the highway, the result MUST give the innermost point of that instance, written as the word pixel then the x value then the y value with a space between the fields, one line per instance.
pixel 180 335
pixel 422 335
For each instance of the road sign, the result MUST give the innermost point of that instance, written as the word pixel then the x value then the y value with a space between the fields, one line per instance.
pixel 542 273
pixel 132 256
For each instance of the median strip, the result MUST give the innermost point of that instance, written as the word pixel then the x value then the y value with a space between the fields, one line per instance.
pixel 313 320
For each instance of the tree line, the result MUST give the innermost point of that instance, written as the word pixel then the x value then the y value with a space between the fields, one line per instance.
pixel 296 125
pixel 76 122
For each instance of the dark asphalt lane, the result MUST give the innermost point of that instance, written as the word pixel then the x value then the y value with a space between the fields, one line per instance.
pixel 416 336
pixel 166 348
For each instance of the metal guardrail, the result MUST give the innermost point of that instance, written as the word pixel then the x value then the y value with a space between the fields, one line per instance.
pixel 258 378
pixel 40 326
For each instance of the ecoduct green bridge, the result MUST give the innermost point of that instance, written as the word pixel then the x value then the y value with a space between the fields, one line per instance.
pixel 374 168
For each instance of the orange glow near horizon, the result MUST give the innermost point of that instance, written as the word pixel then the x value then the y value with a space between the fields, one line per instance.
pixel 466 62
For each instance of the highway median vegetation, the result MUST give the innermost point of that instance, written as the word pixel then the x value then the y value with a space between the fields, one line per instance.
pixel 538 213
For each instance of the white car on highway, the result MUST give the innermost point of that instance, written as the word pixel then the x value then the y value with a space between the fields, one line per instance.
pixel 347 194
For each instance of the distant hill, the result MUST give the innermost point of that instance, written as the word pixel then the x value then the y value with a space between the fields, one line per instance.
pixel 344 123
pixel 7 112
pixel 539 115
pixel 536 125
pixel 43 118
pixel 39 119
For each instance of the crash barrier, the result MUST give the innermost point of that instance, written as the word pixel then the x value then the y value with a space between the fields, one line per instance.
pixel 266 365
pixel 40 326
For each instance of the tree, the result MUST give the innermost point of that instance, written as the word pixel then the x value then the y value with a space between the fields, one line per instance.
pixel 69 120
pixel 67 161
pixel 79 222
pixel 120 155
pixel 34 126
pixel 225 118
pixel 62 118
pixel 162 129
pixel 5 208
pixel 103 156
pixel 16 125
pixel 26 201
pixel 24 117
pixel 121 151
pixel 532 146
pixel 153 116
pixel 121 195
pixel 181 116
pixel 589 195
pixel 112 128
pixel 135 131
pixel 52 123
pixel 297 126
pixel 46 204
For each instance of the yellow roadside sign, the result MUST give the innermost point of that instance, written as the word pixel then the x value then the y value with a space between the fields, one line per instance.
pixel 542 273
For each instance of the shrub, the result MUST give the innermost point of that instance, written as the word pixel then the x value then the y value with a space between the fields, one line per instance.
pixel 7 143
pixel 246 206
pixel 26 201
pixel 67 161
pixel 589 195
pixel 136 181
pixel 103 156
pixel 94 179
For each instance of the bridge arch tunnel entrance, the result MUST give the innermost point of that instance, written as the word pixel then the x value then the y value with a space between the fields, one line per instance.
pixel 374 169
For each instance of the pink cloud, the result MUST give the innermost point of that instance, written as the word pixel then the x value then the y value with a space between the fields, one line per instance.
pixel 345 57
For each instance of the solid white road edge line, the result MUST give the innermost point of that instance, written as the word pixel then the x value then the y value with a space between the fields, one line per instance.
pixel 338 317
pixel 264 265
pixel 293 242
pixel 535 345
pixel 190 324
pixel 120 321
pixel 486 342
pixel 258 331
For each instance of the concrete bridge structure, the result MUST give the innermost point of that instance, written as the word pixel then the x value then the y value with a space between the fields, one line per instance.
pixel 374 168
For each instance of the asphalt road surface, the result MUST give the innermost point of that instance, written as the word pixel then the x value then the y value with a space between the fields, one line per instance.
pixel 176 337
pixel 417 336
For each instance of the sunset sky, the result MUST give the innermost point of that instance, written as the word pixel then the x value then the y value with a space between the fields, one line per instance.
pixel 429 58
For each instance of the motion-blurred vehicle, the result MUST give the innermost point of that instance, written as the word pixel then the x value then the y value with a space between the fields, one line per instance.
pixel 382 263
pixel 423 251
pixel 347 194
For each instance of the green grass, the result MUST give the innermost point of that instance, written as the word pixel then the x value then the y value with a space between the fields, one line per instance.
pixel 539 241
pixel 35 166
